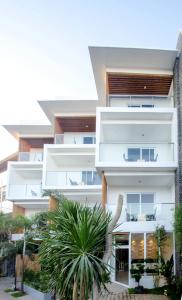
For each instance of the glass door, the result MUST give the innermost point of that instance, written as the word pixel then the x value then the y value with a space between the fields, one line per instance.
pixel 122 265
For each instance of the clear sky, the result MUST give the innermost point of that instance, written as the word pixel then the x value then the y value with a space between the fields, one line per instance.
pixel 44 48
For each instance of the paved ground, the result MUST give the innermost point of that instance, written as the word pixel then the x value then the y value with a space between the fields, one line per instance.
pixel 117 292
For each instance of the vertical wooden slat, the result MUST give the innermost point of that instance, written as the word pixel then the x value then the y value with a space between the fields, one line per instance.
pixel 104 191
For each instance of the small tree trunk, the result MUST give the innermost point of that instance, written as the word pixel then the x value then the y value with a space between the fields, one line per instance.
pixel 108 245
pixel 15 272
pixel 23 255
pixel 75 291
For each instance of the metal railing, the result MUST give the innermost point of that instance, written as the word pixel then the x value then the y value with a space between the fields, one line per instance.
pixel 137 152
pixel 31 156
pixel 24 191
pixel 72 178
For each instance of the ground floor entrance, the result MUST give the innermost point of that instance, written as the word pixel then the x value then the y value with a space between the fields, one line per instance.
pixel 133 248
pixel 122 265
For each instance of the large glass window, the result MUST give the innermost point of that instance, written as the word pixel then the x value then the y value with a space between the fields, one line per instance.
pixel 137 247
pixel 133 154
pixel 151 246
pixel 140 207
pixel 146 154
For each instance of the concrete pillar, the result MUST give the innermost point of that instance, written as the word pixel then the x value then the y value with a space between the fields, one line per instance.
pixel 104 191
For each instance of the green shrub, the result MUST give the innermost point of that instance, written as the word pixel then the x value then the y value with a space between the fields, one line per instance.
pixel 18 294
pixel 8 290
pixel 38 280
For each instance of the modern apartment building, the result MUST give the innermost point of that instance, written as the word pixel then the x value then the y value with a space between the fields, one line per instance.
pixel 127 142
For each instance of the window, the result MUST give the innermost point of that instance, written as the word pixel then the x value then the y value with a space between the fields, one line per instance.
pixel 151 246
pixel 147 105
pixel 140 207
pixel 137 247
pixel 89 139
pixel 141 105
pixel 146 154
pixel 133 154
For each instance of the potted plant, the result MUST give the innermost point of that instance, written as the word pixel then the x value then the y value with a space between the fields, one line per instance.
pixel 136 273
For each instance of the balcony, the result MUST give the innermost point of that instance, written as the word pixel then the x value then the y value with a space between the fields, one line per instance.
pixel 149 212
pixel 24 191
pixel 31 156
pixel 75 138
pixel 146 153
pixel 72 179
pixel 137 101
pixel 156 212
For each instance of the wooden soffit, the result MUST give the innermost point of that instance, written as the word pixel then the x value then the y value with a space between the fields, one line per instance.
pixel 138 84
pixel 77 124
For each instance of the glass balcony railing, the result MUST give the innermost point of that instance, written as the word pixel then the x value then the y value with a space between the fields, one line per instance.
pixel 143 101
pixel 74 139
pixel 72 178
pixel 145 212
pixel 136 152
pixel 149 212
pixel 25 191
pixel 31 156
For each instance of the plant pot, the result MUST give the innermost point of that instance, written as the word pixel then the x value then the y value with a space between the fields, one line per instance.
pixel 37 294
pixel 139 289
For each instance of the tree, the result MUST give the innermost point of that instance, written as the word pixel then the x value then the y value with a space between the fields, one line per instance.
pixel 178 237
pixel 72 249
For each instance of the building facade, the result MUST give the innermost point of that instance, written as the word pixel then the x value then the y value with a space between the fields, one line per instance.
pixel 127 142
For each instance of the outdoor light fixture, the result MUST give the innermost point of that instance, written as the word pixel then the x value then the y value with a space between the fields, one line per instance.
pixel 145 87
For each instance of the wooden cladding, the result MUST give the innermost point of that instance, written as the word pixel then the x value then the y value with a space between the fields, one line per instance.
pixel 75 124
pixel 4 162
pixel 138 84
pixel 25 144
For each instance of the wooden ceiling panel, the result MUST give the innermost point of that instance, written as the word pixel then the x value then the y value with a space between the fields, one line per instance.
pixel 138 84
pixel 77 124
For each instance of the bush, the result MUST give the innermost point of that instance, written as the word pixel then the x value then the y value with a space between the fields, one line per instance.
pixel 18 294
pixel 8 290
pixel 37 280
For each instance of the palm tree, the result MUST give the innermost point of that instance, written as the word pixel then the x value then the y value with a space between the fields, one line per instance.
pixel 72 249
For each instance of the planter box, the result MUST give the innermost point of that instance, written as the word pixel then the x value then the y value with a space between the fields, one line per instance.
pixel 37 294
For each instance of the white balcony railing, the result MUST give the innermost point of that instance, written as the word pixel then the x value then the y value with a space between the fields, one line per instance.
pixel 145 101
pixel 136 152
pixel 74 139
pixel 24 191
pixel 72 178
pixel 31 156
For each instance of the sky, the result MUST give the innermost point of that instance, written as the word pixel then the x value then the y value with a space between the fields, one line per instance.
pixel 44 48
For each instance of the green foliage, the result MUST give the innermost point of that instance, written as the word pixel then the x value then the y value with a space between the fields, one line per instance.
pixel 167 270
pixel 72 249
pixel 137 271
pixel 38 280
pixel 8 290
pixel 18 294
pixel 178 226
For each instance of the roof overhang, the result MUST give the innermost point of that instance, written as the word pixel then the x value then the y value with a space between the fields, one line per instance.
pixel 128 60
pixel 38 130
pixel 68 107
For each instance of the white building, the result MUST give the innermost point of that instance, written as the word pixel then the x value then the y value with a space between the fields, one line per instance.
pixel 124 143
